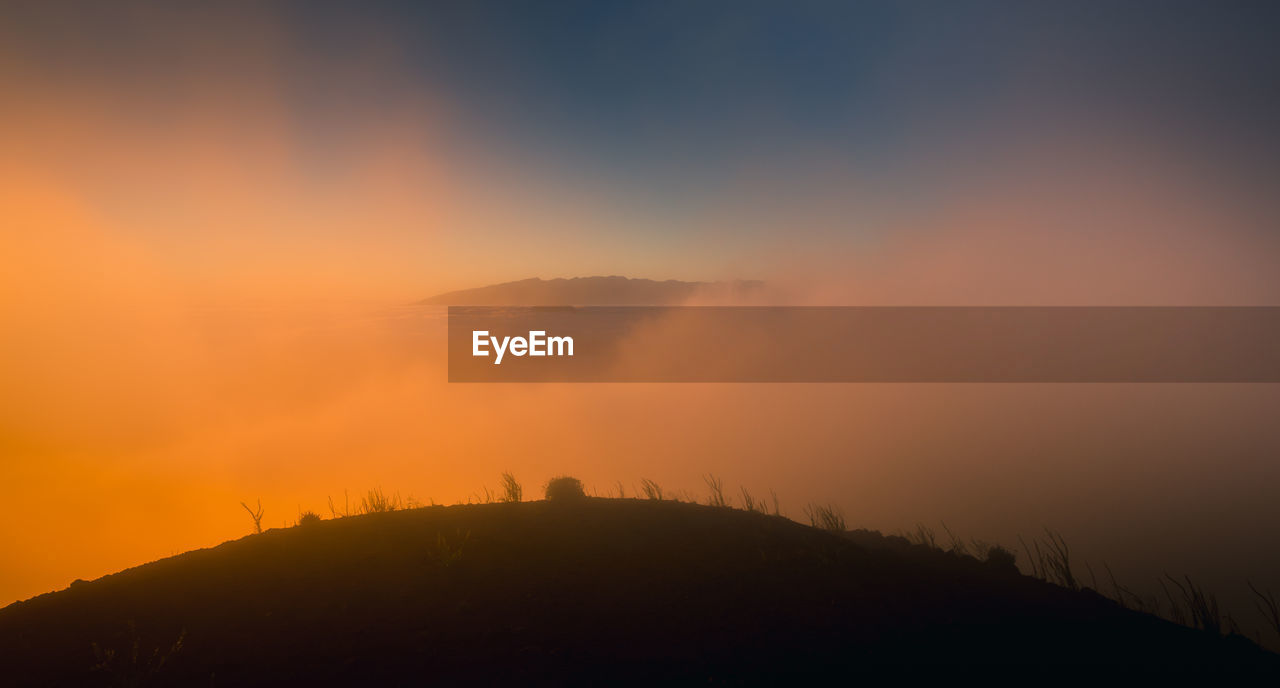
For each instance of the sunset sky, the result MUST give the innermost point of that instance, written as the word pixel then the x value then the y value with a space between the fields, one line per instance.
pixel 213 220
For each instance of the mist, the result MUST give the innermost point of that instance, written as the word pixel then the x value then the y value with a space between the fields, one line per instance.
pixel 204 306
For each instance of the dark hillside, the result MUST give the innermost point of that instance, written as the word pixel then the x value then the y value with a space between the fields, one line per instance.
pixel 596 590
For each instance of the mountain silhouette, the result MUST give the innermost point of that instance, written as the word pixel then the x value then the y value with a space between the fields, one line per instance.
pixel 597 590
pixel 597 291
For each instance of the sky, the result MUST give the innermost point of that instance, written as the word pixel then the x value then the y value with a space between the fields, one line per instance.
pixel 392 150
pixel 212 219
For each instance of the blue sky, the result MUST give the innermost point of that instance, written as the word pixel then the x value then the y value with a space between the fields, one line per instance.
pixel 638 88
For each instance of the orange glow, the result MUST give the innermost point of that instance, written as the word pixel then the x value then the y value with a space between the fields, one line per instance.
pixel 196 313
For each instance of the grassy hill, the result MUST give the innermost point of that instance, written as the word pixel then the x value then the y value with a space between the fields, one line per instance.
pixel 600 590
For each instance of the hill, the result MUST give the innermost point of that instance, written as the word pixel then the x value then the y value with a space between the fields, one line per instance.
pixel 599 590
pixel 597 291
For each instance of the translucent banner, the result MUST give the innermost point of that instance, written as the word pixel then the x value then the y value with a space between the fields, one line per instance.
pixel 864 344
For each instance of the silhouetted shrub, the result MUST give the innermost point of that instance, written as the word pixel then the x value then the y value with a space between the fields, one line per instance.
pixel 923 535
pixel 716 486
pixel 511 489
pixel 1267 606
pixel 1201 606
pixel 255 515
pixel 651 489
pixel 308 518
pixel 565 488
pixel 378 502
pixel 1002 559
pixel 826 517
pixel 1051 563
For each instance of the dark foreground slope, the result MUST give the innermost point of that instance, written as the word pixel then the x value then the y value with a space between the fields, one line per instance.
pixel 599 590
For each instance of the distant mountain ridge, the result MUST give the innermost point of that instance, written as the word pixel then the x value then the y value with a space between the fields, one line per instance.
pixel 598 291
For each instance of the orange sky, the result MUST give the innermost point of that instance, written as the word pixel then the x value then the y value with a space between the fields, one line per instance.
pixel 196 313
